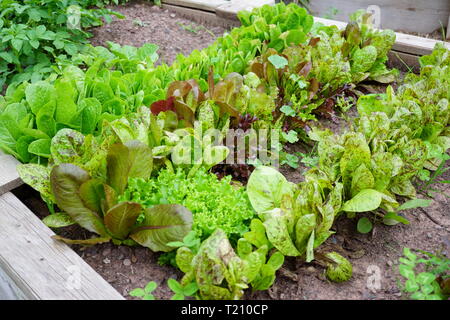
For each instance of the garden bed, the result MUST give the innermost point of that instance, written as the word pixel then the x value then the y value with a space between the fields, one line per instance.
pixel 126 268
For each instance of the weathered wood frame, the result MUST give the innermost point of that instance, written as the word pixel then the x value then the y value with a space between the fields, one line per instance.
pixel 42 268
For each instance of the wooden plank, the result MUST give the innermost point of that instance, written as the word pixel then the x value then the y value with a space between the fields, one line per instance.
pixel 9 178
pixel 202 16
pixel 41 267
pixel 206 5
pixel 404 42
pixel 402 15
pixel 403 61
pixel 230 10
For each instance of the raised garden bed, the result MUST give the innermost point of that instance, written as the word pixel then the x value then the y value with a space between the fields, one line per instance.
pixel 127 268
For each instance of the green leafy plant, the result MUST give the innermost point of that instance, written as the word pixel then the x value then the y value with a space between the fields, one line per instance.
pixel 92 202
pixel 214 203
pixel 35 34
pixel 182 291
pixel 431 284
pixel 145 293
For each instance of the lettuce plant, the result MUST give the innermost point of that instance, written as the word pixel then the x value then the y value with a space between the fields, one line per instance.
pixel 93 202
pixel 214 203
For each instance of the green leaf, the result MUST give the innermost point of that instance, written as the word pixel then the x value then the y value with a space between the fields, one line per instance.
pixel 163 223
pixel 257 234
pixel 151 286
pixel 121 218
pixel 365 200
pixel 58 220
pixel 310 248
pixel 40 147
pixel 411 286
pixel 190 289
pixel 291 136
pixel 266 189
pixel 425 278
pixel 287 110
pixel 278 62
pixel 406 271
pixel 130 160
pixel 39 94
pixel 391 218
pixel 138 292
pixel 278 234
pixel 175 286
pixel 415 203
pixel 364 225
pixel 36 176
pixel 92 193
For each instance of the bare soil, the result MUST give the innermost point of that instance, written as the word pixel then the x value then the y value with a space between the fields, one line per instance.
pixel 147 23
pixel 371 254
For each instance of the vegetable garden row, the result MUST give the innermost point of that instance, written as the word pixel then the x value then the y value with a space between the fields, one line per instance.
pixel 107 142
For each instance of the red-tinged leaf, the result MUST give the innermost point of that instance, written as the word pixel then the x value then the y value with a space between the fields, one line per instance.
pixel 163 223
pixel 121 218
pixel 163 105
pixel 306 69
pixel 313 42
pixel 258 69
pixel 179 89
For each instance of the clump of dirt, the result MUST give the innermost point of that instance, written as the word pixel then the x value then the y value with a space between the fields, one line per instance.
pixel 147 23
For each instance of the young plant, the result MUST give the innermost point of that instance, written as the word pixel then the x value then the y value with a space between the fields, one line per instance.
pixel 146 292
pixel 431 284
pixel 182 291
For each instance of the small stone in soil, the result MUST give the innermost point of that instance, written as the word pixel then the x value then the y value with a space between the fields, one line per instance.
pixel 106 261
pixel 389 263
pixel 173 15
pixel 133 258
pixel 311 269
pixel 126 262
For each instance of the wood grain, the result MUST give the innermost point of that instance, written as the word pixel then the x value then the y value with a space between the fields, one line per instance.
pixel 206 5
pixel 9 178
pixel 41 267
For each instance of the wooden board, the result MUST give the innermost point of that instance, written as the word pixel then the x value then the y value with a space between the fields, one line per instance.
pixel 230 10
pixel 9 178
pixel 41 267
pixel 448 29
pixel 422 16
pixel 206 5
pixel 200 16
pixel 404 42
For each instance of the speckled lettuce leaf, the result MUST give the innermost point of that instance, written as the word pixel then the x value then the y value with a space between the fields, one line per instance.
pixel 356 152
pixel 38 177
pixel 339 269
pixel 67 146
pixel 277 229
pixel 363 59
pixel 257 234
pixel 58 220
pixel 162 224
pixel 266 189
pixel 218 270
pixel 303 229
pixel 365 200
pixel 66 180
pixel 266 276
pixel 184 259
pixel 373 103
pixel 362 179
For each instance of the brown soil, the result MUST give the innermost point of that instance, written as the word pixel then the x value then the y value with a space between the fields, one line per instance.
pixel 127 268
pixel 146 23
